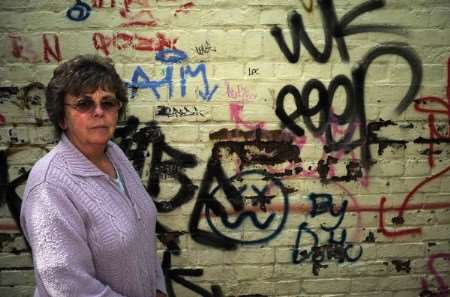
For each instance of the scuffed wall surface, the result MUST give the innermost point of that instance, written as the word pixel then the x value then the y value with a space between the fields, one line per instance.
pixel 293 147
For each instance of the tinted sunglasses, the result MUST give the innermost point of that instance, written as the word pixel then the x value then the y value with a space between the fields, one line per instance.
pixel 85 105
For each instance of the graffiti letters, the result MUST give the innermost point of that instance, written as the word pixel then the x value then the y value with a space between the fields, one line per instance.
pixel 335 248
pixel 25 48
pixel 123 41
pixel 140 80
pixel 181 111
pixel 333 28
pixel 205 48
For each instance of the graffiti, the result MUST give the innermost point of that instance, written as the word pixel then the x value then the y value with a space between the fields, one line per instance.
pixel 177 275
pixel 8 188
pixel 205 48
pixel 137 17
pixel 135 143
pixel 399 219
pixel 31 94
pixel 333 28
pixel 124 41
pixel 250 201
pixel 308 7
pixel 354 115
pixel 239 92
pixel 22 105
pixel 443 286
pixel 184 8
pixel 235 114
pixel 337 249
pixel 324 168
pixel 100 4
pixel 173 111
pixel 51 47
pixel 383 142
pixel 239 197
pixel 169 57
pixel 402 265
pixel 79 12
pixel 253 71
pixel 435 135
pixel 23 48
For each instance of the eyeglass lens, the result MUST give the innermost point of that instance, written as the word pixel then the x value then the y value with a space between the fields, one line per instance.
pixel 88 105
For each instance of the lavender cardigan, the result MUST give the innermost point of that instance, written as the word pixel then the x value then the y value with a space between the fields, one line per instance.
pixel 87 237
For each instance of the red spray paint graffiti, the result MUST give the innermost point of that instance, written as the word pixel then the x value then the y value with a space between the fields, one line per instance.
pixel 22 48
pixel 123 41
pixel 51 47
pixel 404 206
pixel 100 4
pixel 184 8
pixel 435 136
pixel 137 18
pixel 420 106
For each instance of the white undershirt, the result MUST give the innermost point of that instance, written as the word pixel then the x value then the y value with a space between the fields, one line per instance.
pixel 118 181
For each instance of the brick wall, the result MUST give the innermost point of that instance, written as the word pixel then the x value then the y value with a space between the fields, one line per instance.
pixel 332 131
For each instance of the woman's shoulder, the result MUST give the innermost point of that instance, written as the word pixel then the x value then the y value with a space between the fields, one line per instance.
pixel 46 169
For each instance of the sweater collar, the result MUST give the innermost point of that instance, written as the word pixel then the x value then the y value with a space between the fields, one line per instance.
pixel 77 163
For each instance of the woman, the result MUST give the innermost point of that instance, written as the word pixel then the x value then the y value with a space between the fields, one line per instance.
pixel 88 219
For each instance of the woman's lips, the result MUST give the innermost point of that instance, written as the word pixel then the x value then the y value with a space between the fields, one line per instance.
pixel 100 127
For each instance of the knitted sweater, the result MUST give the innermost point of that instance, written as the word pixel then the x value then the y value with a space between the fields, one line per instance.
pixel 87 237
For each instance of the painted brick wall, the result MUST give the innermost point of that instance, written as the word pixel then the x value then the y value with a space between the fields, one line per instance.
pixel 308 159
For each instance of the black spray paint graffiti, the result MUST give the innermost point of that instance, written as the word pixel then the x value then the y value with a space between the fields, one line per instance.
pixel 8 192
pixel 354 114
pixel 244 200
pixel 334 248
pixel 178 275
pixel 333 28
pixel 7 92
pixel 135 143
pixel 178 112
pixel 248 193
pixel 250 201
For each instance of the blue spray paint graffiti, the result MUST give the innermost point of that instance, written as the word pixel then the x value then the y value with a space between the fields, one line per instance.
pixel 334 248
pixel 79 12
pixel 169 57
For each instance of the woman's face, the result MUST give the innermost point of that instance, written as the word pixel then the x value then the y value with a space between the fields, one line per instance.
pixel 89 129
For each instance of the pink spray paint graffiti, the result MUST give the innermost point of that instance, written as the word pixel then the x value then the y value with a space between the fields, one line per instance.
pixel 443 285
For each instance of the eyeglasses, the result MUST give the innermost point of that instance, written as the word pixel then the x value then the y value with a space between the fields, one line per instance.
pixel 85 105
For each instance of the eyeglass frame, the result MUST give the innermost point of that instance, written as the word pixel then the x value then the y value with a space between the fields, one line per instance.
pixel 94 106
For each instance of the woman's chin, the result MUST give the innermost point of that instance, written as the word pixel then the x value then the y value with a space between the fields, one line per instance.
pixel 100 138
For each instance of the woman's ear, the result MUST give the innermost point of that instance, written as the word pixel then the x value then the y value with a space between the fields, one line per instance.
pixel 62 124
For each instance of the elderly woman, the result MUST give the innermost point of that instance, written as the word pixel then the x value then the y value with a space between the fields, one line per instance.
pixel 88 219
